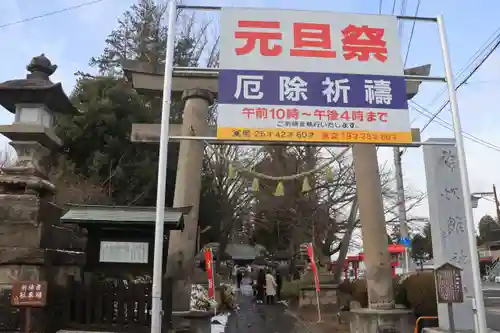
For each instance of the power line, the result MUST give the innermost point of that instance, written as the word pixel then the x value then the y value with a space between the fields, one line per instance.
pixel 497 44
pixel 464 81
pixel 489 42
pixel 403 7
pixel 393 6
pixel 401 23
pixel 63 10
pixel 423 111
pixel 447 125
pixel 411 33
pixel 487 45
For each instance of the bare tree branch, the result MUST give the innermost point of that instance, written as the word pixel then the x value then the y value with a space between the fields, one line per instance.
pixel 74 188
pixel 326 216
pixel 7 156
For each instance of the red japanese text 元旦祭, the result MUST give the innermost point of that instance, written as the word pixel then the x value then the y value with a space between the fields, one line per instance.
pixel 313 40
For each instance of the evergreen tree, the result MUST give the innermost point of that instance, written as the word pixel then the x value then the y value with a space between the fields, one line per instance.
pixel 421 246
pixel 98 140
pixel 142 35
pixel 488 230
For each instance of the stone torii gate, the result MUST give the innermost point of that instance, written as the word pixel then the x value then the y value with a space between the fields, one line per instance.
pixel 197 94
pixel 188 183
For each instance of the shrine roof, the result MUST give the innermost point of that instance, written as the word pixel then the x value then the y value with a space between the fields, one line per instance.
pixel 242 251
pixel 123 215
pixel 233 251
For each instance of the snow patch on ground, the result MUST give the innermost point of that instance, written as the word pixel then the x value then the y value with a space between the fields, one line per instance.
pixel 218 323
pixel 200 300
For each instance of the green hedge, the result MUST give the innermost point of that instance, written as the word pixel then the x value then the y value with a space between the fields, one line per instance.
pixel 358 291
pixel 290 289
pixel 416 292
pixel 420 291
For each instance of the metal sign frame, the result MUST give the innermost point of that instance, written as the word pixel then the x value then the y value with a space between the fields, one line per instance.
pixel 156 310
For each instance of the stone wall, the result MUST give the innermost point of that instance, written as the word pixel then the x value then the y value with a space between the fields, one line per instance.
pixel 32 237
pixel 372 320
pixel 328 296
pixel 34 246
pixel 19 217
pixel 30 225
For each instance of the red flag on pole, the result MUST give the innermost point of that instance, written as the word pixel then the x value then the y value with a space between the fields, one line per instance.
pixel 310 253
pixel 210 272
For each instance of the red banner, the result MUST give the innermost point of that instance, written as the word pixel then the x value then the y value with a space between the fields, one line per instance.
pixel 310 253
pixel 210 272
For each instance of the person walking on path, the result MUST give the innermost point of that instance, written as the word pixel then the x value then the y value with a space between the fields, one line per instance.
pixel 253 281
pixel 261 285
pixel 279 281
pixel 239 278
pixel 235 273
pixel 270 288
pixel 254 318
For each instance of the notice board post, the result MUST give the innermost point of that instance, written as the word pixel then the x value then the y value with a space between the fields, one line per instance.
pixel 29 294
pixel 449 288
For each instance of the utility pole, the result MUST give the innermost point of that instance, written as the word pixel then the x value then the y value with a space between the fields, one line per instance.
pixel 497 205
pixel 156 290
pixel 411 91
pixel 400 191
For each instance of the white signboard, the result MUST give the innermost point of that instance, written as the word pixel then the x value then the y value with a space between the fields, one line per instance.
pixel 124 252
pixel 291 75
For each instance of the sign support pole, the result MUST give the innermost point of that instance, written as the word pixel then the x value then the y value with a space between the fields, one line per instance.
pixel 156 306
pixel 450 317
pixel 27 313
pixel 319 307
pixel 457 128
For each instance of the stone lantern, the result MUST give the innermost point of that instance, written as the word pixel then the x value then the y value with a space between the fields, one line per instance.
pixel 30 240
pixel 34 101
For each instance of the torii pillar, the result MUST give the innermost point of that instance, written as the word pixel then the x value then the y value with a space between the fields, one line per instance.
pixel 372 212
pixel 182 244
pixel 381 309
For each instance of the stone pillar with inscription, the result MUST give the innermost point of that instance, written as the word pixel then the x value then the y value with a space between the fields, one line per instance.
pixel 448 225
pixel 27 232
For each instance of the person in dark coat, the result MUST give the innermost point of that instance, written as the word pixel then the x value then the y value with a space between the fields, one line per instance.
pixel 261 286
pixel 239 278
pixel 279 281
